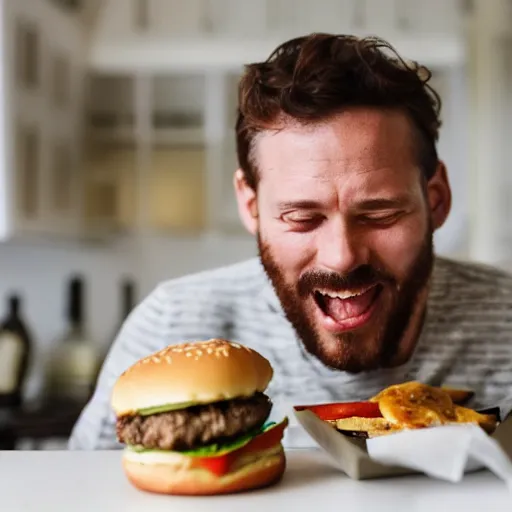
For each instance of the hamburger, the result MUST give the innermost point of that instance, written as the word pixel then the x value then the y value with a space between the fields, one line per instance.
pixel 193 419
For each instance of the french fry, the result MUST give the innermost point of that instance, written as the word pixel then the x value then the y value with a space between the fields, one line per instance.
pixel 459 396
pixel 410 405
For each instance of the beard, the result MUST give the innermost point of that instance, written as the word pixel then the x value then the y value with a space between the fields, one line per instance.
pixel 391 335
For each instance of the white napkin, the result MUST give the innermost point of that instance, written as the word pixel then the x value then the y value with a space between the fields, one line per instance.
pixel 443 452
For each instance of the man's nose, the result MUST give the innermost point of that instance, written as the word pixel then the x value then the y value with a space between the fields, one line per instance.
pixel 341 248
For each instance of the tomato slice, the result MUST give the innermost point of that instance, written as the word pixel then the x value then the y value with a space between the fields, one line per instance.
pixel 220 465
pixel 266 440
pixel 340 410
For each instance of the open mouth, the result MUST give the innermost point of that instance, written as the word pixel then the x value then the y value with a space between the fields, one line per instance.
pixel 348 309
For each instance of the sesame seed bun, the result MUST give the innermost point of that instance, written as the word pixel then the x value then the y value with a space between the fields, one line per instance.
pixel 197 372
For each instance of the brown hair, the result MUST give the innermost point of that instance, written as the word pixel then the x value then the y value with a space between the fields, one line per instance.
pixel 310 78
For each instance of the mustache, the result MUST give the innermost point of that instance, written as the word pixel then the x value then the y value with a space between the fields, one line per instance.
pixel 362 276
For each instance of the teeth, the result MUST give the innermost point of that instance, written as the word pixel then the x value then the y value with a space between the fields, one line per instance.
pixel 344 294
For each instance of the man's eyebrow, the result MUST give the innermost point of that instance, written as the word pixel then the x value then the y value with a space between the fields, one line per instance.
pixel 383 203
pixel 301 204
pixel 367 204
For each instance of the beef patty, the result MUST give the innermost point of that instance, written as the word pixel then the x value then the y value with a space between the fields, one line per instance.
pixel 195 426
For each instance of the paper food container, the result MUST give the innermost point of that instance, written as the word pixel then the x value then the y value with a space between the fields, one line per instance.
pixel 442 458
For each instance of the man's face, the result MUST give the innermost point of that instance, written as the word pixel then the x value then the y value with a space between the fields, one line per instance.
pixel 344 226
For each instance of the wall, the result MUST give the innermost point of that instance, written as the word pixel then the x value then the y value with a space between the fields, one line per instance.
pixel 452 87
pixel 5 200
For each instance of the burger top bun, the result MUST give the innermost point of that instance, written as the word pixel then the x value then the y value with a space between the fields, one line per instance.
pixel 197 372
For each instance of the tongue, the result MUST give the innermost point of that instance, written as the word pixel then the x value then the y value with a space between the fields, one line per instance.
pixel 343 309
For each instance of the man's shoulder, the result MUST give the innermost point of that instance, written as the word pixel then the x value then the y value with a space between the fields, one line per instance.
pixel 229 283
pixel 471 291
pixel 472 276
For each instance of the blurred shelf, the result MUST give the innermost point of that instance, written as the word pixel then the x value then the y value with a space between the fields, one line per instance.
pixel 38 424
pixel 131 55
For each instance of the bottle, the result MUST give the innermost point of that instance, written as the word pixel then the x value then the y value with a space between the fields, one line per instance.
pixel 127 303
pixel 73 364
pixel 15 352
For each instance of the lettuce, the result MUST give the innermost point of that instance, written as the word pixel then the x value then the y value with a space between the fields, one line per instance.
pixel 148 411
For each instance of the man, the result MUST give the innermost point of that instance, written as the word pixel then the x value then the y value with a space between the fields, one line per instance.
pixel 341 183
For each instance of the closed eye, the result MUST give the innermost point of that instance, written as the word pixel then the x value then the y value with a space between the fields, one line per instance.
pixel 381 218
pixel 302 222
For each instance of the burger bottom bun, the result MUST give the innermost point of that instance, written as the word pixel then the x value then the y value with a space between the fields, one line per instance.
pixel 164 478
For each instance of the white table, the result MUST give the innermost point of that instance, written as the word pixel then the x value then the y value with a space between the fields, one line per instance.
pixel 65 481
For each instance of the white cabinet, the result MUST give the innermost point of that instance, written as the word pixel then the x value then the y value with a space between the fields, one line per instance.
pixel 118 19
pixel 176 16
pixel 251 19
pixel 235 18
pixel 162 157
pixel 381 17
pixel 109 189
pixel 169 195
pixel 433 17
pixel 146 155
pixel 43 66
pixel 177 195
pixel 172 35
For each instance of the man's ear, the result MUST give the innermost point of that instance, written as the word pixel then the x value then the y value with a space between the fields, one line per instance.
pixel 439 196
pixel 247 203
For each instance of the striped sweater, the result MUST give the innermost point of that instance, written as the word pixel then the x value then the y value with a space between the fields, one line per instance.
pixel 466 341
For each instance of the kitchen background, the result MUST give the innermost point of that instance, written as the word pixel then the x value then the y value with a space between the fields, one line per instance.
pixel 117 146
